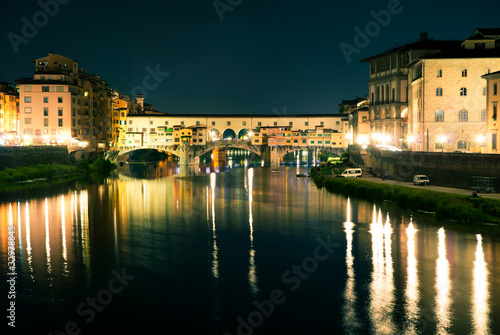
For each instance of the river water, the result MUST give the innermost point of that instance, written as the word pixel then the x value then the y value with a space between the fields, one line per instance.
pixel 255 250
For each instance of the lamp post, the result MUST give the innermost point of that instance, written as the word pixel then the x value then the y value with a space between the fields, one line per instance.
pixel 480 140
pixel 441 140
pixel 410 140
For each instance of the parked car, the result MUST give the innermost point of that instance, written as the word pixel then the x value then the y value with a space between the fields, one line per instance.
pixel 352 173
pixel 420 179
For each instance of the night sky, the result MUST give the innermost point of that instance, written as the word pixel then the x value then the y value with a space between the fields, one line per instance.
pixel 264 55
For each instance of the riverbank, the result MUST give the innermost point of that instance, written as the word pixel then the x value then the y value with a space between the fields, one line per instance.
pixel 445 206
pixel 44 172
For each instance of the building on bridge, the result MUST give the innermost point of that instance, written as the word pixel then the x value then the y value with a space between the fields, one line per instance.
pixel 325 131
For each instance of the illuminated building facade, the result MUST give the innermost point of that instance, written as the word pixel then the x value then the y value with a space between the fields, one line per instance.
pixel 9 110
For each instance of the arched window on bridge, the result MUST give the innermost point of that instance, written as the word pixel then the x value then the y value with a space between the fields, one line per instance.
pixel 228 135
pixel 244 135
pixel 214 135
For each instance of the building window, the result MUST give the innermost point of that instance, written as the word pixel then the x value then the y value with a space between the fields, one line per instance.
pixel 144 130
pixel 438 145
pixel 290 123
pixel 130 122
pixel 45 122
pixel 152 130
pixel 494 141
pixel 213 123
pixel 463 91
pixel 364 119
pixel 46 100
pixel 439 92
pixel 439 116
pixel 27 88
pixel 306 123
pixel 463 116
pixel 495 89
pixel 60 112
pixel 60 122
pixel 228 123
pixel 197 123
pixel 59 88
pixel 60 100
pixel 27 110
pixel 182 123
pixel 275 123
pixel 27 120
pixel 464 73
pixel 50 78
pixel 150 122
pixel 244 123
pixel 322 123
pixel 439 73
pixel 484 90
pixel 45 111
pixel 462 144
pixel 483 115
pixel 259 123
pixel 27 99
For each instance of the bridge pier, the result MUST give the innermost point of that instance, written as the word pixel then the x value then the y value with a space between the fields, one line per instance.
pixel 275 156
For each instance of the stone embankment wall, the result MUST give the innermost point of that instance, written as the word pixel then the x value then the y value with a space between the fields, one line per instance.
pixel 443 169
pixel 12 157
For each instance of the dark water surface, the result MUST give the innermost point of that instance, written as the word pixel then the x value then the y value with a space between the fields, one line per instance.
pixel 248 251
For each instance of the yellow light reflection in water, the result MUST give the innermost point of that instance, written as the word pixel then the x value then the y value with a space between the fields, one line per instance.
pixel 215 251
pixel 84 223
pixel 19 228
pixel 63 233
pixel 382 285
pixel 480 299
pixel 47 237
pixel 28 241
pixel 412 294
pixel 443 287
pixel 349 308
pixel 252 274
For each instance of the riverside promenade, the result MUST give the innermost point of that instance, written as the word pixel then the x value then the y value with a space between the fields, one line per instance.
pixel 430 187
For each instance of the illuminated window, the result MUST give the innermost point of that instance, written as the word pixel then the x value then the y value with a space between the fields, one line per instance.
pixel 27 120
pixel 27 110
pixel 463 116
pixel 439 116
pixel 27 88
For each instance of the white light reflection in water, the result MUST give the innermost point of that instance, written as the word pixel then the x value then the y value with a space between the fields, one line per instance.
pixel 63 233
pixel 28 241
pixel 412 294
pixel 351 322
pixel 382 285
pixel 252 275
pixel 19 227
pixel 47 236
pixel 215 261
pixel 480 297
pixel 443 288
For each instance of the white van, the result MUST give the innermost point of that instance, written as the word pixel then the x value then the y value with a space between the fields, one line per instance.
pixel 352 173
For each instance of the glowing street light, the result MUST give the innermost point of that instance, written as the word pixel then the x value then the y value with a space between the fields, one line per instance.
pixel 441 140
pixel 480 139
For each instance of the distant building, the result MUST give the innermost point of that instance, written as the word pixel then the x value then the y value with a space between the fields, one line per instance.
pixel 9 110
pixel 388 88
pixel 359 120
pixel 63 105
pixel 447 109
pixel 492 122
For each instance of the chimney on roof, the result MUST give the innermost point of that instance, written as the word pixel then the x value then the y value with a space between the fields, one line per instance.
pixel 140 100
pixel 50 53
pixel 424 36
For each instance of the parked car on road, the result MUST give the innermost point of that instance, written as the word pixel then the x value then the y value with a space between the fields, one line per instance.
pixel 420 179
pixel 352 173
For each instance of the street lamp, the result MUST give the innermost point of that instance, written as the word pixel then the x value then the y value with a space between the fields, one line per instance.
pixel 410 140
pixel 480 140
pixel 441 140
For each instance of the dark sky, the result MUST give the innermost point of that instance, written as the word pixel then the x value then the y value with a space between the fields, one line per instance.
pixel 264 55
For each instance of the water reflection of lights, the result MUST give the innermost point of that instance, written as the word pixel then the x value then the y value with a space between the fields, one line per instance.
pixel 19 228
pixel 215 251
pixel 480 298
pixel 382 285
pixel 349 310
pixel 28 241
pixel 47 236
pixel 63 234
pixel 443 287
pixel 412 295
pixel 252 275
